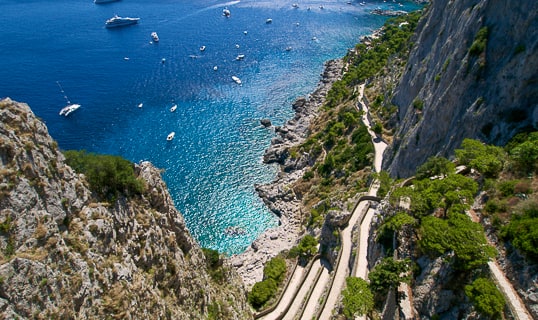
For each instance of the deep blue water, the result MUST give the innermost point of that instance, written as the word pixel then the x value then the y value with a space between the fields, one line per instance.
pixel 216 157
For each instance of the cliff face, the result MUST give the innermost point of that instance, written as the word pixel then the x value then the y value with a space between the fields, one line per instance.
pixel 449 91
pixel 63 254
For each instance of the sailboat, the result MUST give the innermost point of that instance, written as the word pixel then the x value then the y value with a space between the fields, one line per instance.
pixel 70 106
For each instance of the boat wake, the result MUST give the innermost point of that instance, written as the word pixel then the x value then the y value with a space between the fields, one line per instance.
pixel 215 6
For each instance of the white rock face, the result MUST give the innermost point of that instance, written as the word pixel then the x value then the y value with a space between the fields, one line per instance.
pixel 488 96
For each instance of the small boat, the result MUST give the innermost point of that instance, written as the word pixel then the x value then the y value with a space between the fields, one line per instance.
pixel 226 12
pixel 288 48
pixel 126 58
pixel 174 107
pixel 163 60
pixel 70 106
pixel 269 20
pixel 202 48
pixel 295 5
pixel 117 21
pixel 237 46
pixel 68 109
pixel 103 1
pixel 321 7
pixel 240 57
pixel 236 79
pixel 245 32
pixel 140 105
pixel 215 68
pixel 154 36
pixel 171 136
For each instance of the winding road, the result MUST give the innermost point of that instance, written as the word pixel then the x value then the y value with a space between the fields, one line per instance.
pixel 306 292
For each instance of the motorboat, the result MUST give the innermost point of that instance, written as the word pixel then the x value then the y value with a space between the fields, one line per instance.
pixel 236 79
pixel 171 136
pixel 154 36
pixel 269 20
pixel 288 48
pixel 240 57
pixel 295 5
pixel 68 109
pixel 245 32
pixel 174 107
pixel 140 105
pixel 163 60
pixel 215 68
pixel 70 106
pixel 103 1
pixel 202 48
pixel 117 21
pixel 226 12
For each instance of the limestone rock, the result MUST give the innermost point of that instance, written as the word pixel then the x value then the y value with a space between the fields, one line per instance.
pixel 488 96
pixel 64 254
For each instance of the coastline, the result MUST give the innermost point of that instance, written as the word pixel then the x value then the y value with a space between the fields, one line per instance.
pixel 280 199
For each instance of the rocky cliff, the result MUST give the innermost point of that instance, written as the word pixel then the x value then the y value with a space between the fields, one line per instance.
pixel 473 73
pixel 64 254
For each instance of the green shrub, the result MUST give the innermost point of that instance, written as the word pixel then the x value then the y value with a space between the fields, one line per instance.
pixel 275 269
pixel 480 42
pixel 435 166
pixel 488 160
pixel 522 230
pixel 262 292
pixel 357 298
pixel 108 176
pixel 212 257
pixel 388 274
pixel 307 247
pixel 418 104
pixel 459 234
pixel 486 298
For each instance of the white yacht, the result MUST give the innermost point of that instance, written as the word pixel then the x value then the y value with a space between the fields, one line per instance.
pixel 68 109
pixel 236 79
pixel 154 36
pixel 240 57
pixel 202 48
pixel 117 21
pixel 171 136
pixel 226 12
pixel 140 105
pixel 174 107
pixel 269 20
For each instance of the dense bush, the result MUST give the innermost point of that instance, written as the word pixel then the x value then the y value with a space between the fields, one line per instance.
pixel 275 269
pixel 307 247
pixel 435 166
pixel 488 160
pixel 388 274
pixel 486 298
pixel 522 230
pixel 357 298
pixel 262 292
pixel 108 176
pixel 458 234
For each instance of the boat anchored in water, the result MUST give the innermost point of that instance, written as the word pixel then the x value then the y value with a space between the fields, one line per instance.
pixel 70 106
pixel 174 107
pixel 237 80
pixel 117 21
pixel 154 36
pixel 170 136
pixel 103 1
pixel 240 57
pixel 226 12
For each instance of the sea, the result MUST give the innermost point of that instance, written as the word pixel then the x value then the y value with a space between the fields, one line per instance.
pixel 55 52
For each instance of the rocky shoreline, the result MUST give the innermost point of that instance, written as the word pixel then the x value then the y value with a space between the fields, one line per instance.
pixel 277 195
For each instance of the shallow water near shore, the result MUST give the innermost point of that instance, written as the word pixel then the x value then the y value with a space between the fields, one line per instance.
pixel 215 159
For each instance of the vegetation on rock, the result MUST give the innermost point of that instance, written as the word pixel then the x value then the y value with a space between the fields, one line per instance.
pixel 357 298
pixel 108 176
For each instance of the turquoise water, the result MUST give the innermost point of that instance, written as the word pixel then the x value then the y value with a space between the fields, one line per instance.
pixel 216 157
